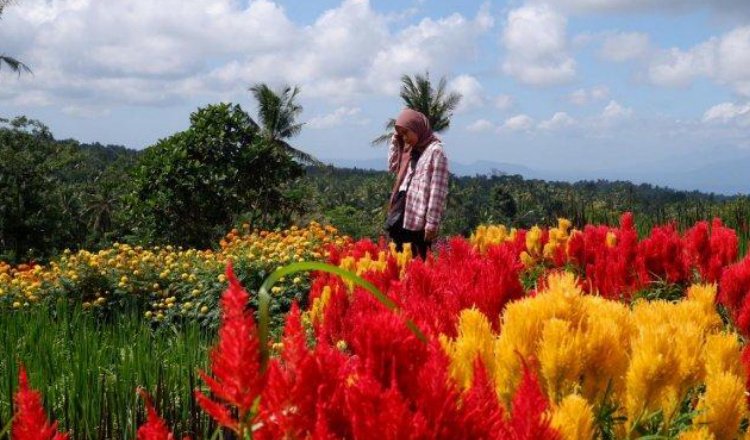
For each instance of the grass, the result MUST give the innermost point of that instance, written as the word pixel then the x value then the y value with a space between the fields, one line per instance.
pixel 88 370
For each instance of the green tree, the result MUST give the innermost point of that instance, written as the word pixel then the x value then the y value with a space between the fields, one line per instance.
pixel 188 189
pixel 32 219
pixel 434 102
pixel 13 64
pixel 278 112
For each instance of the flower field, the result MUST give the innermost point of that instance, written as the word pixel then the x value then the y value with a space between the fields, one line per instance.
pixel 167 284
pixel 546 333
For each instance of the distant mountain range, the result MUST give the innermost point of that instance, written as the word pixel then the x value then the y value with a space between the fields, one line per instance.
pixel 727 176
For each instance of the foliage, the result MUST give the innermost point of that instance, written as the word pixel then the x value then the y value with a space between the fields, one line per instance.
pixel 55 194
pixel 13 64
pixel 520 203
pixel 189 188
pixel 436 103
pixel 277 113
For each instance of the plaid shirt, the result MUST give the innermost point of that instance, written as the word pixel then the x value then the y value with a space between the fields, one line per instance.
pixel 426 198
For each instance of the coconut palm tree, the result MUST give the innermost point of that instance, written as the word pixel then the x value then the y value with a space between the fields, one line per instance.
pixel 436 103
pixel 277 113
pixel 5 60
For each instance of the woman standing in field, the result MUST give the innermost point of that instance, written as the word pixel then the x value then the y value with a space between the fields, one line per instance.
pixel 419 193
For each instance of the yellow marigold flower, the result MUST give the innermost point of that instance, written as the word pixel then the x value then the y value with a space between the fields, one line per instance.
pixel 574 418
pixel 723 405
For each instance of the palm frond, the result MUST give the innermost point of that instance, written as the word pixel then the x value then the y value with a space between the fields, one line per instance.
pixel 278 111
pixel 436 103
pixel 299 155
pixel 291 131
pixel 14 65
pixel 385 137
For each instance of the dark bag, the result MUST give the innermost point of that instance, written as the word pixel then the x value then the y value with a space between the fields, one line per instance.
pixel 396 213
pixel 395 217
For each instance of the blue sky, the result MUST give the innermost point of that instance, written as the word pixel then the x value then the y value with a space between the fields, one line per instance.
pixel 637 89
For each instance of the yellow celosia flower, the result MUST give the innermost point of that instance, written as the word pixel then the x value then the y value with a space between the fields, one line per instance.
pixel 475 340
pixel 560 357
pixel 723 405
pixel 485 236
pixel 527 259
pixel 523 324
pixel 534 241
pixel 697 434
pixel 564 225
pixel 574 418
pixel 723 354
pixel 317 309
pixel 611 239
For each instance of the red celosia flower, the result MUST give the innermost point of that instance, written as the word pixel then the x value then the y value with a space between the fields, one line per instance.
pixel 30 421
pixel 482 408
pixel 711 252
pixel 733 293
pixel 607 270
pixel 661 256
pixel 530 419
pixel 295 380
pixel 155 428
pixel 235 363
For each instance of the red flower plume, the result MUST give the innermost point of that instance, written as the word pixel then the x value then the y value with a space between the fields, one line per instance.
pixel 30 421
pixel 235 362
pixel 155 428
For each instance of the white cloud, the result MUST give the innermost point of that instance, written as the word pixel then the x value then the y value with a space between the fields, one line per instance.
pixel 615 112
pixel 471 90
pixel 665 6
pixel 518 123
pixel 557 121
pixel 434 45
pixel 504 102
pixel 727 113
pixel 340 116
pixel 625 46
pixel 678 68
pixel 480 125
pixel 579 97
pixel 586 96
pixel 724 59
pixel 107 53
pixel 536 43
pixel 97 52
